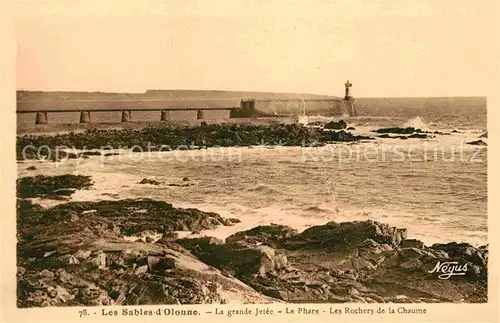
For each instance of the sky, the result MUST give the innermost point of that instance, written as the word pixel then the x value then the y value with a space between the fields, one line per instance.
pixel 385 48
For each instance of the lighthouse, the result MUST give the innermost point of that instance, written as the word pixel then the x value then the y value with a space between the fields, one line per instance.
pixel 348 95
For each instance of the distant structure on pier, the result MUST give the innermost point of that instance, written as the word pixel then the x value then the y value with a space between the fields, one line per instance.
pixel 326 105
pixel 348 95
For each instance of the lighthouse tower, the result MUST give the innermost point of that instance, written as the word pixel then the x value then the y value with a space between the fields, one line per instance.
pixel 348 95
pixel 347 106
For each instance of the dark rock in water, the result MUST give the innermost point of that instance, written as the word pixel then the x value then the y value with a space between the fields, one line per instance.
pixel 351 128
pixel 31 168
pixel 484 135
pixel 342 136
pixel 111 154
pixel 441 133
pixel 455 131
pixel 41 185
pixel 384 136
pixel 335 125
pixel 149 181
pixel 477 143
pixel 180 185
pixel 177 137
pixel 403 131
pixel 268 234
pixel 418 135
pixel 345 235
pixel 185 179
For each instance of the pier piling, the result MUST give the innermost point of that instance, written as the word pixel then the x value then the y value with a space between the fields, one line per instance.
pixel 41 117
pixel 85 117
pixel 126 116
pixel 165 115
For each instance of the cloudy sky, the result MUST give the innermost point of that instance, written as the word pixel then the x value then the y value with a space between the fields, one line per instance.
pixel 385 48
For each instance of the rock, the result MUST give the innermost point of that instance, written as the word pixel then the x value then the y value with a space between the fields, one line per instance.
pixel 74 217
pixel 82 254
pixel 47 274
pixel 484 135
pixel 185 179
pixel 130 255
pixel 159 263
pixel 269 234
pixel 62 294
pixel 346 235
pixel 141 270
pixel 477 143
pixel 73 260
pixel 99 260
pixel 168 237
pixel 418 136
pixel 31 168
pixel 238 258
pixel 463 252
pixel 335 125
pixel 149 181
pixel 397 130
pixel 113 216
pixel 342 136
pixel 351 128
pixel 411 243
pixel 412 258
pixel 94 296
pixel 46 185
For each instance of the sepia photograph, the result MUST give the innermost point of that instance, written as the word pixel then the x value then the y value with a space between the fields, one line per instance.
pixel 251 152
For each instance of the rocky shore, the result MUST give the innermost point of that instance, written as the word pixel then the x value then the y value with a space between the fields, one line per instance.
pixel 172 137
pixel 128 252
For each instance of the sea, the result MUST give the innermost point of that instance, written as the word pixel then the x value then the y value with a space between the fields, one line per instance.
pixel 436 188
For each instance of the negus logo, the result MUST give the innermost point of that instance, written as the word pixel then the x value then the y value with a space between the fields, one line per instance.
pixel 448 269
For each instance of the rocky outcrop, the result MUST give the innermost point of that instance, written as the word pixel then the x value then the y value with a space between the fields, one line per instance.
pixel 149 181
pixel 91 260
pixel 335 125
pixel 345 235
pixel 40 185
pixel 268 235
pixel 397 130
pixel 171 137
pixel 129 217
pixel 236 258
pixel 477 143
pixel 128 252
pixel 343 136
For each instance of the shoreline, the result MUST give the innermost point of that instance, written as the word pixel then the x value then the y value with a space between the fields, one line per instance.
pixel 354 261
